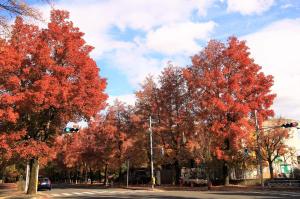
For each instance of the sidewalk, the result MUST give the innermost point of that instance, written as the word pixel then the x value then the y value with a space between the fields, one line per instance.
pixel 213 188
pixel 9 191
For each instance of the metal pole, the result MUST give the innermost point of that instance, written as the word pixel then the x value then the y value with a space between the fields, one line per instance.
pixel 27 176
pixel 127 173
pixel 258 150
pixel 151 153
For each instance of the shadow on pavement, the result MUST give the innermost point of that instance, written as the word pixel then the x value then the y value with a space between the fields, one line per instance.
pixel 79 186
pixel 256 195
pixel 133 197
pixel 7 189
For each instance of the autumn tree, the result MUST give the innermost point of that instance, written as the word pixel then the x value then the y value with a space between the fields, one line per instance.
pixel 176 122
pixel 106 143
pixel 47 78
pixel 167 104
pixel 273 143
pixel 119 115
pixel 226 87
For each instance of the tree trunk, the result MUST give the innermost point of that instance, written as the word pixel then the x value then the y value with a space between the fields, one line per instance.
pixel 76 176
pixel 120 175
pixel 33 177
pixel 226 173
pixel 105 175
pixel 85 173
pixel 177 172
pixel 99 173
pixel 91 175
pixel 271 169
pixel 209 183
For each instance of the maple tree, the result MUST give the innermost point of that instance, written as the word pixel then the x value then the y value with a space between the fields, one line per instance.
pixel 47 78
pixel 227 87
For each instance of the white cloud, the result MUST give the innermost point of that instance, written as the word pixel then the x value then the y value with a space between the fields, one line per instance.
pixel 128 99
pixel 286 6
pixel 179 38
pixel 134 63
pixel 248 7
pixel 276 49
pixel 96 18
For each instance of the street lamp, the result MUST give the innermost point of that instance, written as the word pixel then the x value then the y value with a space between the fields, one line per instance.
pixel 258 150
pixel 151 153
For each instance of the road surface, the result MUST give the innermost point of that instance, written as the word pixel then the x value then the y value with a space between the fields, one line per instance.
pixel 113 193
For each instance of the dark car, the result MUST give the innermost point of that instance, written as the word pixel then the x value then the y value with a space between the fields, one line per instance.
pixel 44 183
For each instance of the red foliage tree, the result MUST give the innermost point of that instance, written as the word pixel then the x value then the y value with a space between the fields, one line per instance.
pixel 168 105
pixel 273 143
pixel 47 78
pixel 106 143
pixel 227 86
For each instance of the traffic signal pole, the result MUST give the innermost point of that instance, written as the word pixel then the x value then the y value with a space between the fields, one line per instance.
pixel 151 152
pixel 259 150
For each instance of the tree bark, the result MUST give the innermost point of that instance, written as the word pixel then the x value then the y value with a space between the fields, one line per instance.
pixel 105 175
pixel 271 169
pixel 177 172
pixel 91 175
pixel 120 175
pixel 33 177
pixel 226 173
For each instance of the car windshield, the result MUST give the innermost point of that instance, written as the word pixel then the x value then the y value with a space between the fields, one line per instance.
pixel 43 179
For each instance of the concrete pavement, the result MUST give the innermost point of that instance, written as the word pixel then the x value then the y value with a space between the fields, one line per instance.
pixel 88 191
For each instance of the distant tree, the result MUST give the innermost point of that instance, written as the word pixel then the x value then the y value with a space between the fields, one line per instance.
pixel 176 121
pixel 273 144
pixel 13 8
pixel 167 104
pixel 226 87
pixel 47 78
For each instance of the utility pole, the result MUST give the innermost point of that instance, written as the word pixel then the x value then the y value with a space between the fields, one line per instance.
pixel 258 150
pixel 127 177
pixel 27 176
pixel 151 153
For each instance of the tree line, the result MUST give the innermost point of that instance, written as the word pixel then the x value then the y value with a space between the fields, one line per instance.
pixel 203 112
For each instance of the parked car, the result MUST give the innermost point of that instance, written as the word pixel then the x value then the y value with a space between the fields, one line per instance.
pixel 44 183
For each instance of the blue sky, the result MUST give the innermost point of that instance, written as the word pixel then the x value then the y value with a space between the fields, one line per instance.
pixel 134 38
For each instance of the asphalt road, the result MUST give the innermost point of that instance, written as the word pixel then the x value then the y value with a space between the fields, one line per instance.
pixel 112 193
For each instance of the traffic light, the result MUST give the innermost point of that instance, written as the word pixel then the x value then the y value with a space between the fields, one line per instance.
pixel 290 125
pixel 246 152
pixel 71 130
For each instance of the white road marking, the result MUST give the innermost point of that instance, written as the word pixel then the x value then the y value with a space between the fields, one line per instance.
pixel 66 194
pixel 97 192
pixel 76 193
pixel 55 194
pixel 276 193
pixel 90 193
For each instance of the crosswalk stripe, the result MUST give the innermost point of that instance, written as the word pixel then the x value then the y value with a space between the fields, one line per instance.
pixel 55 194
pixel 99 191
pixel 76 193
pixel 90 193
pixel 66 194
